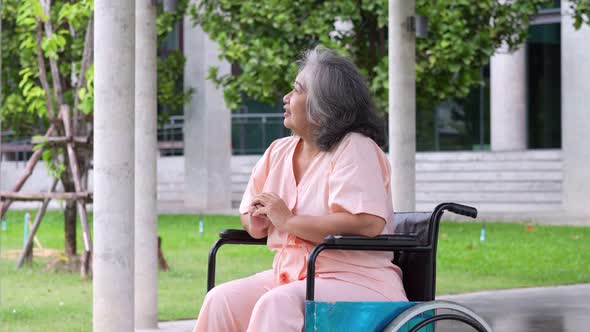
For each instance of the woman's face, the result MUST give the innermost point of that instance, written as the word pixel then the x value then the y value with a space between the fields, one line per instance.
pixel 295 107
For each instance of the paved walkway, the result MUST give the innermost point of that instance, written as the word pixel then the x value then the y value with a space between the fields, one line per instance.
pixel 553 309
pixel 550 309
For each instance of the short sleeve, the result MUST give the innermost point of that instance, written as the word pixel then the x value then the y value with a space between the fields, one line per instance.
pixel 359 180
pixel 257 180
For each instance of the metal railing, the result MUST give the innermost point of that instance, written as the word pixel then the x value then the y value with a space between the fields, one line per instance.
pixel 171 137
pixel 13 148
pixel 252 133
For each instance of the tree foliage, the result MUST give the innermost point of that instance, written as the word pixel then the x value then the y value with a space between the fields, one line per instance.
pixel 47 65
pixel 581 12
pixel 264 38
pixel 171 95
pixel 24 106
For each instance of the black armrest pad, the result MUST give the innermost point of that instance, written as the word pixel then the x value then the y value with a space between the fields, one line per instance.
pixel 461 209
pixel 385 240
pixel 239 235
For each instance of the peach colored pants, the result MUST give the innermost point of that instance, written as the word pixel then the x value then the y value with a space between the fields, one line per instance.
pixel 252 304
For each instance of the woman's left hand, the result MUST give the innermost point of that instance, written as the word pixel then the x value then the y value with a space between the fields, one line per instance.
pixel 273 207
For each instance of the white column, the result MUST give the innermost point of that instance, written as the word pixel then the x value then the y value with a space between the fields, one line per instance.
pixel 1 98
pixel 508 117
pixel 575 114
pixel 146 149
pixel 207 127
pixel 114 68
pixel 402 105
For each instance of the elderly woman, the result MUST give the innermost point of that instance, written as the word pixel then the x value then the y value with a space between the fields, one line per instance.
pixel 329 177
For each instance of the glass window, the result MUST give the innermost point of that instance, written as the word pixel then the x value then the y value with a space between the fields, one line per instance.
pixel 456 124
pixel 255 125
pixel 170 122
pixel 544 86
pixel 555 4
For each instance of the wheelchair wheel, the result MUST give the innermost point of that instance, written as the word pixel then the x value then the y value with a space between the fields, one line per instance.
pixel 459 313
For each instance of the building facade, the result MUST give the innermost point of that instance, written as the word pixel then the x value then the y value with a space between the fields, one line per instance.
pixel 513 147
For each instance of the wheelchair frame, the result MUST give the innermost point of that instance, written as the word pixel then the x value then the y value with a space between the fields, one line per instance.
pixel 414 245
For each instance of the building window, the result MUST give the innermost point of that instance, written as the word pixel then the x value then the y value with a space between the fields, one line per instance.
pixel 255 125
pixel 171 122
pixel 552 5
pixel 457 124
pixel 544 86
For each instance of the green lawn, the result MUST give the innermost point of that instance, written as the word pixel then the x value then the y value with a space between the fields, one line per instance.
pixel 512 256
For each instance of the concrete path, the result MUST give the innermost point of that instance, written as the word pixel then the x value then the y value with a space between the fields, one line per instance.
pixel 562 308
pixel 543 309
pixel 173 326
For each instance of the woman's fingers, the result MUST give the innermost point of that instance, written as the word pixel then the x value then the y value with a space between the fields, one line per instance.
pixel 264 199
pixel 264 217
pixel 260 212
pixel 251 209
pixel 259 199
pixel 269 205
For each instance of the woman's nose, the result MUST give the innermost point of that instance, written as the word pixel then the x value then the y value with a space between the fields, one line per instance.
pixel 286 98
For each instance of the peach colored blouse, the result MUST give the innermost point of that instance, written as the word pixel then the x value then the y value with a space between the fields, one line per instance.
pixel 353 177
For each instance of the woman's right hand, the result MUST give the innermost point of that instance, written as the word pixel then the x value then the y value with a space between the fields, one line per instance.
pixel 257 226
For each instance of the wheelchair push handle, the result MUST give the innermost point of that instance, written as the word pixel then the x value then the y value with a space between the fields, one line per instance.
pixel 461 209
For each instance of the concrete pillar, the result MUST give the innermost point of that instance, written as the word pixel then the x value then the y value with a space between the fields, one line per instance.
pixel 508 117
pixel 114 80
pixel 207 127
pixel 1 98
pixel 146 155
pixel 575 114
pixel 402 105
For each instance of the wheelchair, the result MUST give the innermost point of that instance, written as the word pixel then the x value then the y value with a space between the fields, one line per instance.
pixel 414 246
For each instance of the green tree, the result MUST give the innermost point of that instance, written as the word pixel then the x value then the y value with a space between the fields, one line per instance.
pixel 263 39
pixel 581 12
pixel 171 95
pixel 47 56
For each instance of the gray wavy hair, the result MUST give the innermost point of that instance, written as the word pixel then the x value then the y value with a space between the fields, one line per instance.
pixel 338 99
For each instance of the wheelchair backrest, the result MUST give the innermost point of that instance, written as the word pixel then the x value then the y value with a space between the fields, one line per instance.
pixel 419 268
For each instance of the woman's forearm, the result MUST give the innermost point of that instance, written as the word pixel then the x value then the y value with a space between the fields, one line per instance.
pixel 257 227
pixel 316 228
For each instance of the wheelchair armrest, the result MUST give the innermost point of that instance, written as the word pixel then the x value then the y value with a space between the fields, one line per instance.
pixel 385 242
pixel 461 209
pixel 239 236
pixel 228 236
pixel 388 241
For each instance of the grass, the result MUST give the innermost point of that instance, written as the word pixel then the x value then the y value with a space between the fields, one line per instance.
pixel 34 300
pixel 513 255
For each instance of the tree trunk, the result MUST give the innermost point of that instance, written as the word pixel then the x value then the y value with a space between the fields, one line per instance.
pixel 70 214
pixel 70 228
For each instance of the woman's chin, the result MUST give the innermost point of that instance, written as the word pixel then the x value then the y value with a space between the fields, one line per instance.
pixel 287 123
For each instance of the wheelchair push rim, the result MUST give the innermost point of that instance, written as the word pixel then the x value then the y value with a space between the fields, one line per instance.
pixel 402 319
